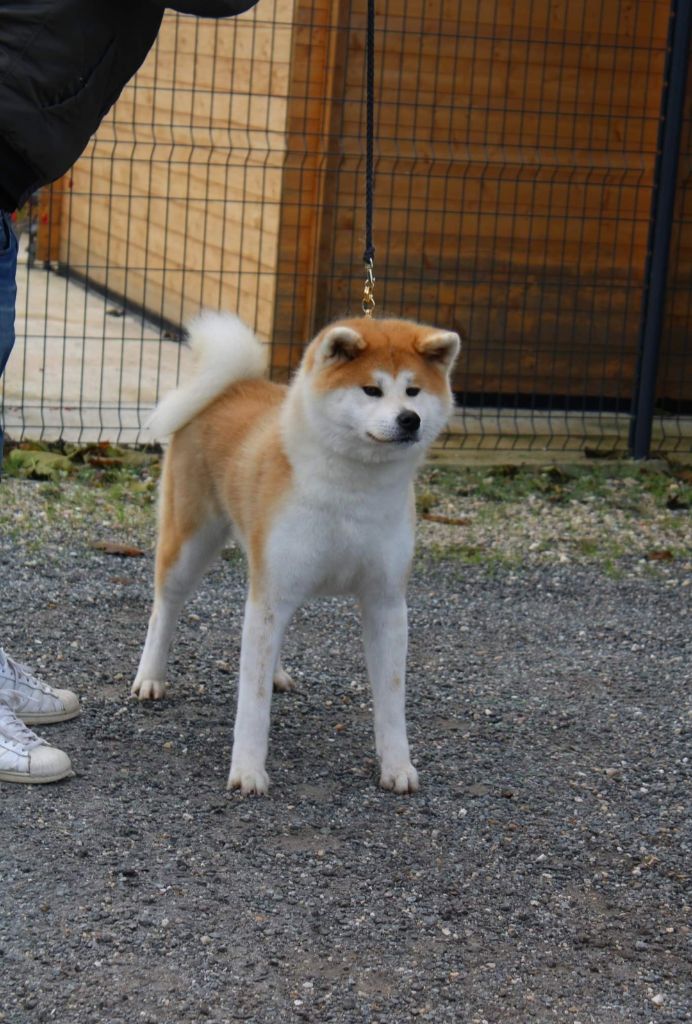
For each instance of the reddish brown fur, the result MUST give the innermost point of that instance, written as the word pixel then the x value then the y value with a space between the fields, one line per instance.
pixel 391 346
pixel 229 460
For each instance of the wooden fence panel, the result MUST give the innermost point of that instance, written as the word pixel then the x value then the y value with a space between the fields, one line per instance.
pixel 515 154
pixel 516 148
pixel 175 205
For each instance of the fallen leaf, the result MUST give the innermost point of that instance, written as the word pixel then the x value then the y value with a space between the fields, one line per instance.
pixel 660 556
pixel 104 456
pixel 447 520
pixel 119 550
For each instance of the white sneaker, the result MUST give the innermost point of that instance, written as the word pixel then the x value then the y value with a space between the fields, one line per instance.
pixel 25 757
pixel 32 700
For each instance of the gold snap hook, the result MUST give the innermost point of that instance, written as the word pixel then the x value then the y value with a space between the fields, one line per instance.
pixel 368 303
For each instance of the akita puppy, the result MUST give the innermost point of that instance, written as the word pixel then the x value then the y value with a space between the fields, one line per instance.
pixel 315 482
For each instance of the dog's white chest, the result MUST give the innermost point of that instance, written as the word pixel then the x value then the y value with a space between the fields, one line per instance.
pixel 344 546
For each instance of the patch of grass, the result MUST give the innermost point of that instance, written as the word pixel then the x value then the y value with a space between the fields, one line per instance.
pixel 466 554
pixel 609 513
pixel 588 546
pixel 93 464
pixel 107 483
pixel 131 474
pixel 234 555
pixel 426 500
pixel 613 514
pixel 630 486
pixel 612 568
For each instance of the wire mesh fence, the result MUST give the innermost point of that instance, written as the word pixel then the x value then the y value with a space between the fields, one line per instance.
pixel 515 171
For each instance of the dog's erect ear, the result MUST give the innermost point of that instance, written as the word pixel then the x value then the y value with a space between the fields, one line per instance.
pixel 340 344
pixel 441 348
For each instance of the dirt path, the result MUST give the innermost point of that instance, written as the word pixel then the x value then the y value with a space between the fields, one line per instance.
pixel 540 874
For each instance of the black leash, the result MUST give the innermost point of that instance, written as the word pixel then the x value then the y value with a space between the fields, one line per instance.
pixel 368 303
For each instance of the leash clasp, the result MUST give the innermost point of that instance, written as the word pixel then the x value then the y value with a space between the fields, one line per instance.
pixel 368 303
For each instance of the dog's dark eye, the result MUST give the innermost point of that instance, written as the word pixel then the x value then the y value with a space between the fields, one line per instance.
pixel 412 392
pixel 373 392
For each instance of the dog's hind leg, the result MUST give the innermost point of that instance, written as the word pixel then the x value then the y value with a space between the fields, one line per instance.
pixel 172 590
pixel 175 582
pixel 282 681
pixel 191 535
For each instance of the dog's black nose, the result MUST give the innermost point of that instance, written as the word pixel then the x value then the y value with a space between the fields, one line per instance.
pixel 408 420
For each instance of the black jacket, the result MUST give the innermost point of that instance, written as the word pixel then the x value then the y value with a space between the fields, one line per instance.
pixel 63 64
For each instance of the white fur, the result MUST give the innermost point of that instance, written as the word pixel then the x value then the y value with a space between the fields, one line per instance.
pixel 225 350
pixel 345 527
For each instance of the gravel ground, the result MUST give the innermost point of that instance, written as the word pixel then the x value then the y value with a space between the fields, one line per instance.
pixel 539 875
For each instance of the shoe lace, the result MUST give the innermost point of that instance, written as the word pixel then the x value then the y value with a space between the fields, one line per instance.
pixel 20 673
pixel 15 731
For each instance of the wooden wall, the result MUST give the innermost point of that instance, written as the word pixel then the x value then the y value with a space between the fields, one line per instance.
pixel 176 203
pixel 304 253
pixel 515 147
pixel 515 154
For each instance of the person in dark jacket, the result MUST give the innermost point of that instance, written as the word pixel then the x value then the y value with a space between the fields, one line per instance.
pixel 63 64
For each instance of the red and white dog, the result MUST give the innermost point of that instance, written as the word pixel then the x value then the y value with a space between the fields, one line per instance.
pixel 315 482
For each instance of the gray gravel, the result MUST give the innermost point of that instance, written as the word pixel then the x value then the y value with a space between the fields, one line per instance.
pixel 540 874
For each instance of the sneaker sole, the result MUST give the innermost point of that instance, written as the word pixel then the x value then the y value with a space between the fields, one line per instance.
pixel 36 780
pixel 48 719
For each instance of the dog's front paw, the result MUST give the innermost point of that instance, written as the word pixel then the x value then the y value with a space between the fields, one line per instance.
pixel 400 778
pixel 149 689
pixel 250 781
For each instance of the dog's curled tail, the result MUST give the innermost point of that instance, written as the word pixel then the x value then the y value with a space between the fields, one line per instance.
pixel 225 350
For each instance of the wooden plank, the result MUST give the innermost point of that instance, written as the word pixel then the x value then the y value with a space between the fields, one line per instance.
pixel 50 210
pixel 515 158
pixel 512 185
pixel 317 75
pixel 176 201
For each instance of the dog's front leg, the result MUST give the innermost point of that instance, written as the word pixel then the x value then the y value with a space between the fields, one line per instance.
pixel 263 630
pixel 385 631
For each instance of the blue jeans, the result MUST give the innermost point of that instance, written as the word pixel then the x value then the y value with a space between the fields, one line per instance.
pixel 8 297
